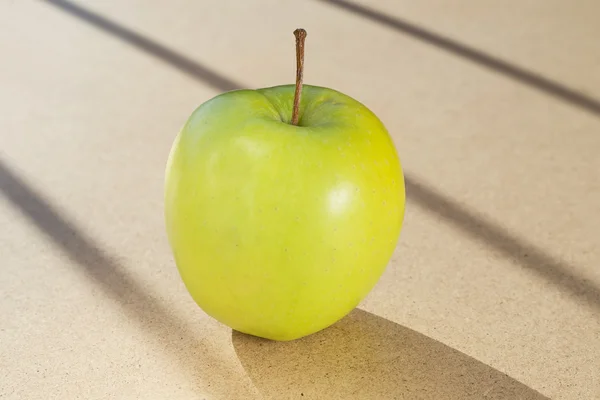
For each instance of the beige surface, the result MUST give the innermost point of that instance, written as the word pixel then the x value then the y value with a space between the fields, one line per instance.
pixel 494 291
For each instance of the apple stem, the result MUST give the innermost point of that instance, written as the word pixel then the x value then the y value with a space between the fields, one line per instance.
pixel 300 37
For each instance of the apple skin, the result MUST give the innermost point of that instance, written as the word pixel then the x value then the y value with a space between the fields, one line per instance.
pixel 279 231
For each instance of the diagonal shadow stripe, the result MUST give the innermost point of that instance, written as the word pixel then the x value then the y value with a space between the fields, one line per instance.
pixel 526 254
pixel 163 53
pixel 480 58
pixel 179 339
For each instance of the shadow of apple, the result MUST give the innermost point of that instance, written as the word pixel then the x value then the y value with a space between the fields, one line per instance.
pixel 364 356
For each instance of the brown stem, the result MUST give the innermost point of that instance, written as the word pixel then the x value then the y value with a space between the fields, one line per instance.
pixel 300 37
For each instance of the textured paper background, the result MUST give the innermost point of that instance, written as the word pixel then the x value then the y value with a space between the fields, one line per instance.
pixel 494 107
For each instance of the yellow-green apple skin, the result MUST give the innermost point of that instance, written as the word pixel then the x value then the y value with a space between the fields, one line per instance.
pixel 277 230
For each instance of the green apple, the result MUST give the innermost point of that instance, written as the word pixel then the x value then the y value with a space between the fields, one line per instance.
pixel 280 230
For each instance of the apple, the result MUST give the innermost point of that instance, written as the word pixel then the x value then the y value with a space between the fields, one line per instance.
pixel 280 229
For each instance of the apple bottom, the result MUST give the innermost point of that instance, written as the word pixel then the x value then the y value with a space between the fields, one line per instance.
pixel 279 307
